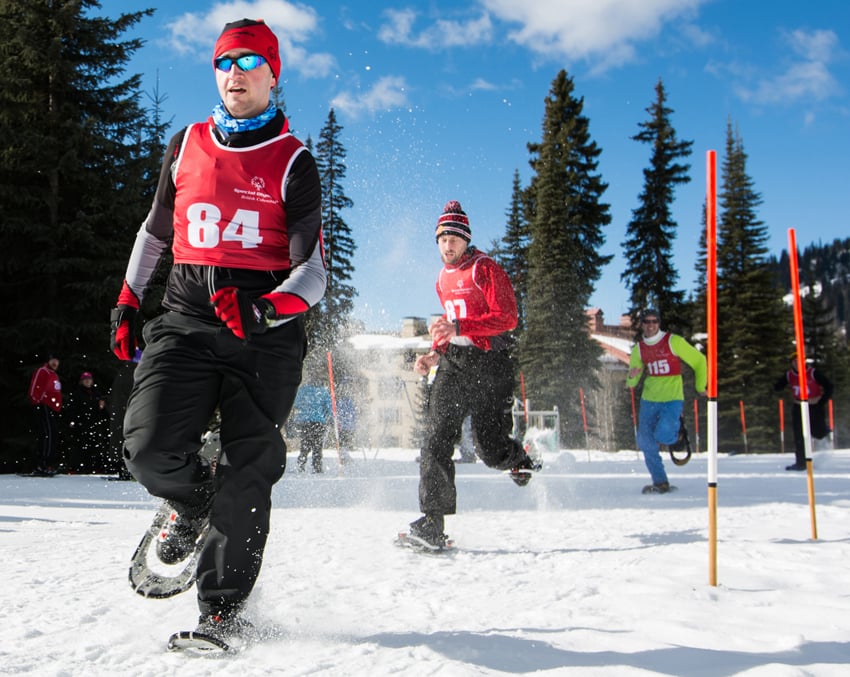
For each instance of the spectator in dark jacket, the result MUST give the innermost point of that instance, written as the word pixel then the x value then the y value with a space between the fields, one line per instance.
pixel 85 418
pixel 819 393
pixel 311 413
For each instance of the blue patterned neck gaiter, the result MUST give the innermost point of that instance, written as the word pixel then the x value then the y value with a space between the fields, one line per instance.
pixel 230 125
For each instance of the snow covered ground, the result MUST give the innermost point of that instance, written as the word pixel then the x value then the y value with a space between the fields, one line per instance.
pixel 575 574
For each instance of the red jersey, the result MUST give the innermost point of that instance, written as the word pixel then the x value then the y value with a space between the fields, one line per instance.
pixel 229 205
pixel 46 388
pixel 813 387
pixel 659 358
pixel 478 297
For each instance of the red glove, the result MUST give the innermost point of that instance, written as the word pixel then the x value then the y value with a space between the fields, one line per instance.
pixel 242 314
pixel 122 322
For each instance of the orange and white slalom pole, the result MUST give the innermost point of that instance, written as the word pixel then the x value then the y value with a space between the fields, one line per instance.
pixel 831 425
pixel 696 426
pixel 782 425
pixel 711 326
pixel 584 422
pixel 801 371
pixel 634 418
pixel 524 400
pixel 333 408
pixel 744 426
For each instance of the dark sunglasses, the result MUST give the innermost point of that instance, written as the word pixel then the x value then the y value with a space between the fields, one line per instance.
pixel 246 62
pixel 649 321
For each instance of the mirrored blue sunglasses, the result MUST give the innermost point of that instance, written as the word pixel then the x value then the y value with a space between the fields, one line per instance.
pixel 246 62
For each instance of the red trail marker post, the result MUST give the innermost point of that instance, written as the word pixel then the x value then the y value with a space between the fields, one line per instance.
pixel 800 337
pixel 711 325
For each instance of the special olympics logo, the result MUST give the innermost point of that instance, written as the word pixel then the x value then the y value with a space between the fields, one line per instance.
pixel 259 183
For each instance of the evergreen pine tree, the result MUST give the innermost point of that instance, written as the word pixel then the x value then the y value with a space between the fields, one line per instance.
pixel 650 273
pixel 332 315
pixel 752 343
pixel 511 252
pixel 74 153
pixel 566 218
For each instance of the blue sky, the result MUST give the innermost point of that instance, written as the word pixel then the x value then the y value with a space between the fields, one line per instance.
pixel 438 100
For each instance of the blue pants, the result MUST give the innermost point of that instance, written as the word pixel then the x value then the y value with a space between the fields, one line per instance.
pixel 658 424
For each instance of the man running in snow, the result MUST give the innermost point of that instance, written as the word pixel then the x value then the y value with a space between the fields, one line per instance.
pixel 239 203
pixel 661 354
pixel 474 374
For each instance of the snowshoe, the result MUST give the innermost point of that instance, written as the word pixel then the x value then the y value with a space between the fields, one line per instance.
pixel 521 474
pixel 658 488
pixel 425 535
pixel 151 577
pixel 681 444
pixel 215 633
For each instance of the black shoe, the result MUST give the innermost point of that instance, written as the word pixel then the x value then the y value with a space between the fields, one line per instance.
pixel 428 531
pixel 656 488
pixel 521 473
pixel 796 466
pixel 177 537
pixel 226 626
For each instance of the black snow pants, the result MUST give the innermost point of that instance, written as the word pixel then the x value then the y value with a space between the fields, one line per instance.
pixel 47 430
pixel 468 381
pixel 189 369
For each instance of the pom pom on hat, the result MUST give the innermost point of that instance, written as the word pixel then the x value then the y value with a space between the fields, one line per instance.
pixel 453 221
pixel 253 35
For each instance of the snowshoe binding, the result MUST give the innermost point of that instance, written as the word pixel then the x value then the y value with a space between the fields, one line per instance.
pixel 426 535
pixel 215 633
pixel 681 444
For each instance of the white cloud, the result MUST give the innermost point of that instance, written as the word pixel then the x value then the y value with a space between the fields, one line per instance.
pixel 481 84
pixel 805 79
pixel 389 92
pixel 604 31
pixel 819 45
pixel 196 32
pixel 443 33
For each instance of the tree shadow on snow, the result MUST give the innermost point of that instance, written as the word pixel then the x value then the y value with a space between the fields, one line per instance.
pixel 505 653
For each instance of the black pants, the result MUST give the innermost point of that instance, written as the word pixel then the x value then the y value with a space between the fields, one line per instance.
pixel 47 432
pixel 468 381
pixel 312 441
pixel 188 369
pixel 817 425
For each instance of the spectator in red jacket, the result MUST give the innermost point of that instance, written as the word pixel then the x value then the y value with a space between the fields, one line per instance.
pixel 45 395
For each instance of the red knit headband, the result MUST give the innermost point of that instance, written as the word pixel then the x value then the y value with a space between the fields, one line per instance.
pixel 252 35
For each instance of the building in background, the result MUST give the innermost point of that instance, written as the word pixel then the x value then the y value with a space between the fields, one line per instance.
pixel 393 393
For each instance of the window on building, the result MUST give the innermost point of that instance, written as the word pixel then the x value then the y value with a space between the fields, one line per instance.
pixel 390 415
pixel 390 388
